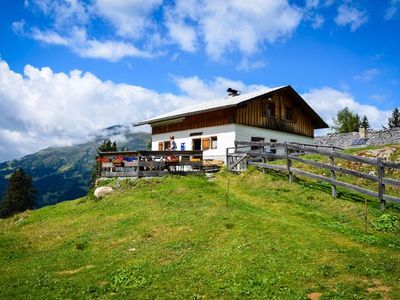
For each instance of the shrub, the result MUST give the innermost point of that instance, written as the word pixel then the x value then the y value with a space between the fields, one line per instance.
pixel 386 222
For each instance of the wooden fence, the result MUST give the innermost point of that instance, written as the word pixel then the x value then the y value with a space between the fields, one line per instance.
pixel 238 159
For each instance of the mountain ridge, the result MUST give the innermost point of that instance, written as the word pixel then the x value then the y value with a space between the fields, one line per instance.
pixel 63 173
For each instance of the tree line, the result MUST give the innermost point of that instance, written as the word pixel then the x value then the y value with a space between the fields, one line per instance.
pixel 348 121
pixel 19 195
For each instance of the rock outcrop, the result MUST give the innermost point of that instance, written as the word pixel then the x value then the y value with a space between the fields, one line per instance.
pixel 103 191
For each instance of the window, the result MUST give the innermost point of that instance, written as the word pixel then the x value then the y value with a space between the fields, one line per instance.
pixel 214 142
pixel 256 147
pixel 196 144
pixel 166 145
pixel 288 113
pixel 270 112
pixel 160 146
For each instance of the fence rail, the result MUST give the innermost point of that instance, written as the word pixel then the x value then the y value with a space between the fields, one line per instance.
pixel 238 160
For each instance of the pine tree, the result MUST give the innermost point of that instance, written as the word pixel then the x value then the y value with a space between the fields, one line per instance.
pixel 394 121
pixel 365 123
pixel 20 194
pixel 106 146
pixel 346 121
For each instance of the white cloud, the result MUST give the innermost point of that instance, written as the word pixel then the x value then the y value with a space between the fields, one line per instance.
pixel 218 27
pixel 51 108
pixel 317 21
pixel 64 13
pixel 18 27
pixel 312 3
pixel 185 36
pixel 367 75
pixel 247 65
pixel 110 50
pixel 77 41
pixel 392 9
pixel 130 18
pixel 327 102
pixel 350 16
pixel 49 37
pixel 70 19
pixel 235 25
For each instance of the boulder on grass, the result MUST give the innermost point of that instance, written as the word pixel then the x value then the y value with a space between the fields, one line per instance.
pixel 103 191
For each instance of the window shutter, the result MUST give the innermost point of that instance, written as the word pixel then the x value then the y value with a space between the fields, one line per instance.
pixel 205 143
pixel 160 146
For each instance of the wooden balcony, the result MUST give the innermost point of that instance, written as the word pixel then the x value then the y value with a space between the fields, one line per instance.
pixel 279 124
pixel 149 163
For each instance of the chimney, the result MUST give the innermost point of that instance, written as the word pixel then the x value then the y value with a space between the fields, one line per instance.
pixel 232 92
pixel 363 132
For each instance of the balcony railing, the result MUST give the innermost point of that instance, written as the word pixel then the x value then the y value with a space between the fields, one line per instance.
pixel 149 163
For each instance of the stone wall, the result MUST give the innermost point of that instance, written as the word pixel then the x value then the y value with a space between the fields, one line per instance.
pixel 350 140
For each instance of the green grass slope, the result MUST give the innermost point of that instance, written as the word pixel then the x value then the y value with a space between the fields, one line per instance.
pixel 182 237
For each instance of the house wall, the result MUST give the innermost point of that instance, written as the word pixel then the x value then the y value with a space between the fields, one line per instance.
pixel 226 135
pixel 225 138
pixel 245 133
pixel 200 120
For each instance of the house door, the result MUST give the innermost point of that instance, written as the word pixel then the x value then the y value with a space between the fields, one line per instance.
pixel 196 144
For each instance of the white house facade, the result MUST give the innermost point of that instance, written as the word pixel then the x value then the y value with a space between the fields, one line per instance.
pixel 215 140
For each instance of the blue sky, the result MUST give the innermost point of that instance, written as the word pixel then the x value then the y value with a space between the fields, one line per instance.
pixel 71 67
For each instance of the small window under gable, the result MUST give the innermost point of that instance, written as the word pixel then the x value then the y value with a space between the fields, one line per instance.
pixel 288 113
pixel 270 109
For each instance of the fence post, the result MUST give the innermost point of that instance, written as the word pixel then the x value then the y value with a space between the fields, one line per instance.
pixel 227 159
pixel 288 163
pixel 381 185
pixel 333 176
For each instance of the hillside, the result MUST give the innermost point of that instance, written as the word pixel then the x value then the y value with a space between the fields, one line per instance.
pixel 63 173
pixel 182 237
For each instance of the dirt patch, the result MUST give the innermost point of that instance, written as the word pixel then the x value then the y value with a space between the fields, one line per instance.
pixel 314 296
pixel 70 272
pixel 379 288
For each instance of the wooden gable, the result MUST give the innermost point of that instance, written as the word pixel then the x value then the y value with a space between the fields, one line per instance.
pixel 282 110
